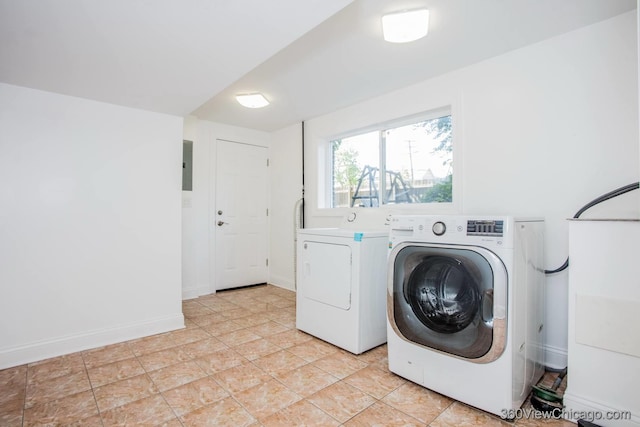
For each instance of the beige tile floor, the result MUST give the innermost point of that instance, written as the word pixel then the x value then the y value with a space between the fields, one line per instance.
pixel 239 362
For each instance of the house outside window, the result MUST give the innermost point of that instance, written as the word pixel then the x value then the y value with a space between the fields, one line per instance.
pixel 395 164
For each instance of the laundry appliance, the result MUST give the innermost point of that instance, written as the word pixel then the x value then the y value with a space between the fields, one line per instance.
pixel 341 282
pixel 465 306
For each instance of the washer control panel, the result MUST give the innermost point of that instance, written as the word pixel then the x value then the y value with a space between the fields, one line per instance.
pixel 493 228
pixel 490 231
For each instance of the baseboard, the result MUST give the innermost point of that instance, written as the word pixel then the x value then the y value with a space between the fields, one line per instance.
pixel 282 282
pixel 46 349
pixel 195 292
pixel 555 358
pixel 576 407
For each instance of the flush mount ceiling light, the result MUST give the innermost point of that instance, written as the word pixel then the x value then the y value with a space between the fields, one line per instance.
pixel 406 26
pixel 252 100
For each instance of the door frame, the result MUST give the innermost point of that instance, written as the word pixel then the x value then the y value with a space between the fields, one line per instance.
pixel 211 214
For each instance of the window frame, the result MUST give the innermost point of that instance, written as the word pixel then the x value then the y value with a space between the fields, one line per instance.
pixel 325 181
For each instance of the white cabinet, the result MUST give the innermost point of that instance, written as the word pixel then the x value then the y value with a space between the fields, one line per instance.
pixel 604 321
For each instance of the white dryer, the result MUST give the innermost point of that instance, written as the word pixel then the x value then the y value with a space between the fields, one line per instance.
pixel 465 306
pixel 341 285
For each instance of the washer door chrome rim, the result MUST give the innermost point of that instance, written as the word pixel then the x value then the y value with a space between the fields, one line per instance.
pixel 449 298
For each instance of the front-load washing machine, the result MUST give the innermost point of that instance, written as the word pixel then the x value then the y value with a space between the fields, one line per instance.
pixel 341 283
pixel 465 306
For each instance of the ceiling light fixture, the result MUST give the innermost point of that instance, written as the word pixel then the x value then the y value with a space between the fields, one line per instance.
pixel 406 26
pixel 252 100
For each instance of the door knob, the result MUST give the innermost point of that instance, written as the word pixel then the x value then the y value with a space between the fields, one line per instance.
pixel 219 212
pixel 220 223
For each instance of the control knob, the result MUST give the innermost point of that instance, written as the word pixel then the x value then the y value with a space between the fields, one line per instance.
pixel 439 228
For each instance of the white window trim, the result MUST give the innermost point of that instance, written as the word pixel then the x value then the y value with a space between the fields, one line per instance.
pixel 325 168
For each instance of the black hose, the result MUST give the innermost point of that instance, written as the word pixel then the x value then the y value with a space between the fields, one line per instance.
pixel 559 379
pixel 610 195
pixel 559 269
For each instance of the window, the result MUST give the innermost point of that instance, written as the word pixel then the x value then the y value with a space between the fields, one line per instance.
pixel 416 161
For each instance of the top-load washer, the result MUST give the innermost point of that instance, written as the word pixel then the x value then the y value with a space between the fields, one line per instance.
pixel 341 283
pixel 465 306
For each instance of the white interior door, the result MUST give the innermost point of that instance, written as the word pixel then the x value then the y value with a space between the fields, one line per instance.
pixel 240 215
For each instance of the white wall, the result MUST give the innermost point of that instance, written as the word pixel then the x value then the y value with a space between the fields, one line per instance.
pixel 198 239
pixel 189 230
pixel 89 224
pixel 286 190
pixel 539 131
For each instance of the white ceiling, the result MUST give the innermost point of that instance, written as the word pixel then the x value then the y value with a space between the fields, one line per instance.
pixel 167 56
pixel 309 57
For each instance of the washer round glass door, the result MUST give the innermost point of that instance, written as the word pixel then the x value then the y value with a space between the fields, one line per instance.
pixel 445 298
pixel 443 294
